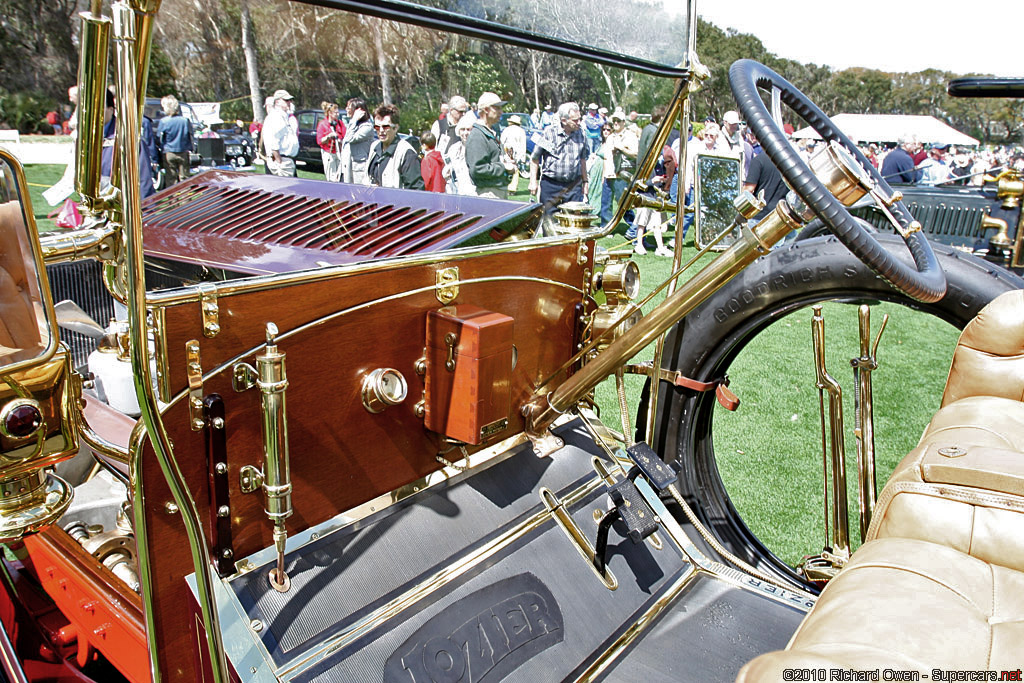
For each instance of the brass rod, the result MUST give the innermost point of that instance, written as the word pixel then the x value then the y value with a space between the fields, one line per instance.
pixel 677 257
pixel 128 130
pixel 543 410
pixel 864 427
pixel 827 383
pixel 94 38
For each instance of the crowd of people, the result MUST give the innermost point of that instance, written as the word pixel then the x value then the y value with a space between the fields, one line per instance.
pixel 941 164
pixel 577 156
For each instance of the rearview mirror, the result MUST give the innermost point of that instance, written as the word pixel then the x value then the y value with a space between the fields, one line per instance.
pixel 26 309
pixel 717 183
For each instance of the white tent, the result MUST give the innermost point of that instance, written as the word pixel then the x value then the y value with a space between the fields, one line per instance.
pixel 891 127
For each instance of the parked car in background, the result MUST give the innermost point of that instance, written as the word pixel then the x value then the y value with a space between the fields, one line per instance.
pixel 239 147
pixel 211 145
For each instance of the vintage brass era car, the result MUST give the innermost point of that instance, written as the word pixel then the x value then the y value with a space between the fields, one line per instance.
pixel 348 433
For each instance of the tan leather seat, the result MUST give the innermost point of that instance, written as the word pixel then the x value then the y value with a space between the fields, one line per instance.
pixel 907 604
pixel 940 581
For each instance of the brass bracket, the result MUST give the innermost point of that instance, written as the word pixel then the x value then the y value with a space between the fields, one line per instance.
pixel 210 309
pixel 449 340
pixel 194 370
pixel 250 479
pixel 576 536
pixel 884 202
pixel 243 377
pixel 545 444
pixel 447 287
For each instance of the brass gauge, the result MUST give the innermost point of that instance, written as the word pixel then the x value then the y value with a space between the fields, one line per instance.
pixel 620 281
pixel 382 388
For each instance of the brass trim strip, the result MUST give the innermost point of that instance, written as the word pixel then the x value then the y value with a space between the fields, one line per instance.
pixel 605 660
pixel 268 282
pixel 358 307
pixel 432 584
pixel 579 540
pixel 163 375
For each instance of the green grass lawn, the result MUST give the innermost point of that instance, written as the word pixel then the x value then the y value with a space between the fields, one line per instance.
pixel 769 451
pixel 40 177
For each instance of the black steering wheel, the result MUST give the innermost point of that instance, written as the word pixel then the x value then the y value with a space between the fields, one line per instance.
pixel 926 282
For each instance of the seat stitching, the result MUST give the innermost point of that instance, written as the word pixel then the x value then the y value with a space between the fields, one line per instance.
pixel 970 541
pixel 982 428
pixel 912 570
pixel 991 631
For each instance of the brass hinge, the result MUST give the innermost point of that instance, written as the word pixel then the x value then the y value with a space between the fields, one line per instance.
pixel 194 370
pixel 447 287
pixel 210 308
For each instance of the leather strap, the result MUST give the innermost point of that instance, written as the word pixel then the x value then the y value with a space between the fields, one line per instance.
pixel 726 398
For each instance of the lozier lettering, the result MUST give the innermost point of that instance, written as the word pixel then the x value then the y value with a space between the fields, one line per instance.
pixel 496 639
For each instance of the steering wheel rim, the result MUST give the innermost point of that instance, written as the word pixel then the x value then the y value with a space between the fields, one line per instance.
pixel 925 281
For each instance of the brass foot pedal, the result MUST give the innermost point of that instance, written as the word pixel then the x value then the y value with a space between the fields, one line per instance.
pixel 634 512
pixel 654 469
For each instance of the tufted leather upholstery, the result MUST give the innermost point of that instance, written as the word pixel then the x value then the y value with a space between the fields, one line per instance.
pixel 940 581
pixel 989 356
pixel 911 605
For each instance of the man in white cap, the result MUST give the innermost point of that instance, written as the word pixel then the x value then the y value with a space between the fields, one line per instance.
pixel 513 144
pixel 280 138
pixel 732 143
pixel 444 128
pixel 592 124
pixel 488 165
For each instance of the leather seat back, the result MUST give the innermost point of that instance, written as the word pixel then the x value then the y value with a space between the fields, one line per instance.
pixel 989 356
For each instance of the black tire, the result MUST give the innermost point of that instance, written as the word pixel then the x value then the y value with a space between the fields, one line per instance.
pixel 706 342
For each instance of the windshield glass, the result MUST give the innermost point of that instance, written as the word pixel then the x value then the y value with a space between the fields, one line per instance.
pixel 652 30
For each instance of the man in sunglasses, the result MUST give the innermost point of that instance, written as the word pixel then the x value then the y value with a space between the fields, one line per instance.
pixel 444 128
pixel 392 161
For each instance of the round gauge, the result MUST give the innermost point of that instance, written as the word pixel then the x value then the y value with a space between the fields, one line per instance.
pixel 851 164
pixel 621 281
pixel 382 388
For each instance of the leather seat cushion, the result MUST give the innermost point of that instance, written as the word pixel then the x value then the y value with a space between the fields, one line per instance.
pixel 908 604
pixel 967 497
pixel 980 420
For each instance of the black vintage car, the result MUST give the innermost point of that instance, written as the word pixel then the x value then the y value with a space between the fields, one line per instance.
pixel 211 146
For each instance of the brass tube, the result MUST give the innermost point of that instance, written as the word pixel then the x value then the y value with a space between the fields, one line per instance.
pixel 677 251
pixel 864 415
pixel 92 92
pixel 128 130
pixel 277 483
pixel 145 13
pixel 98 243
pixel 828 384
pixel 543 410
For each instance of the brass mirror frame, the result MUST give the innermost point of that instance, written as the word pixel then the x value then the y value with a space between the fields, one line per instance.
pixel 46 297
pixel 703 236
